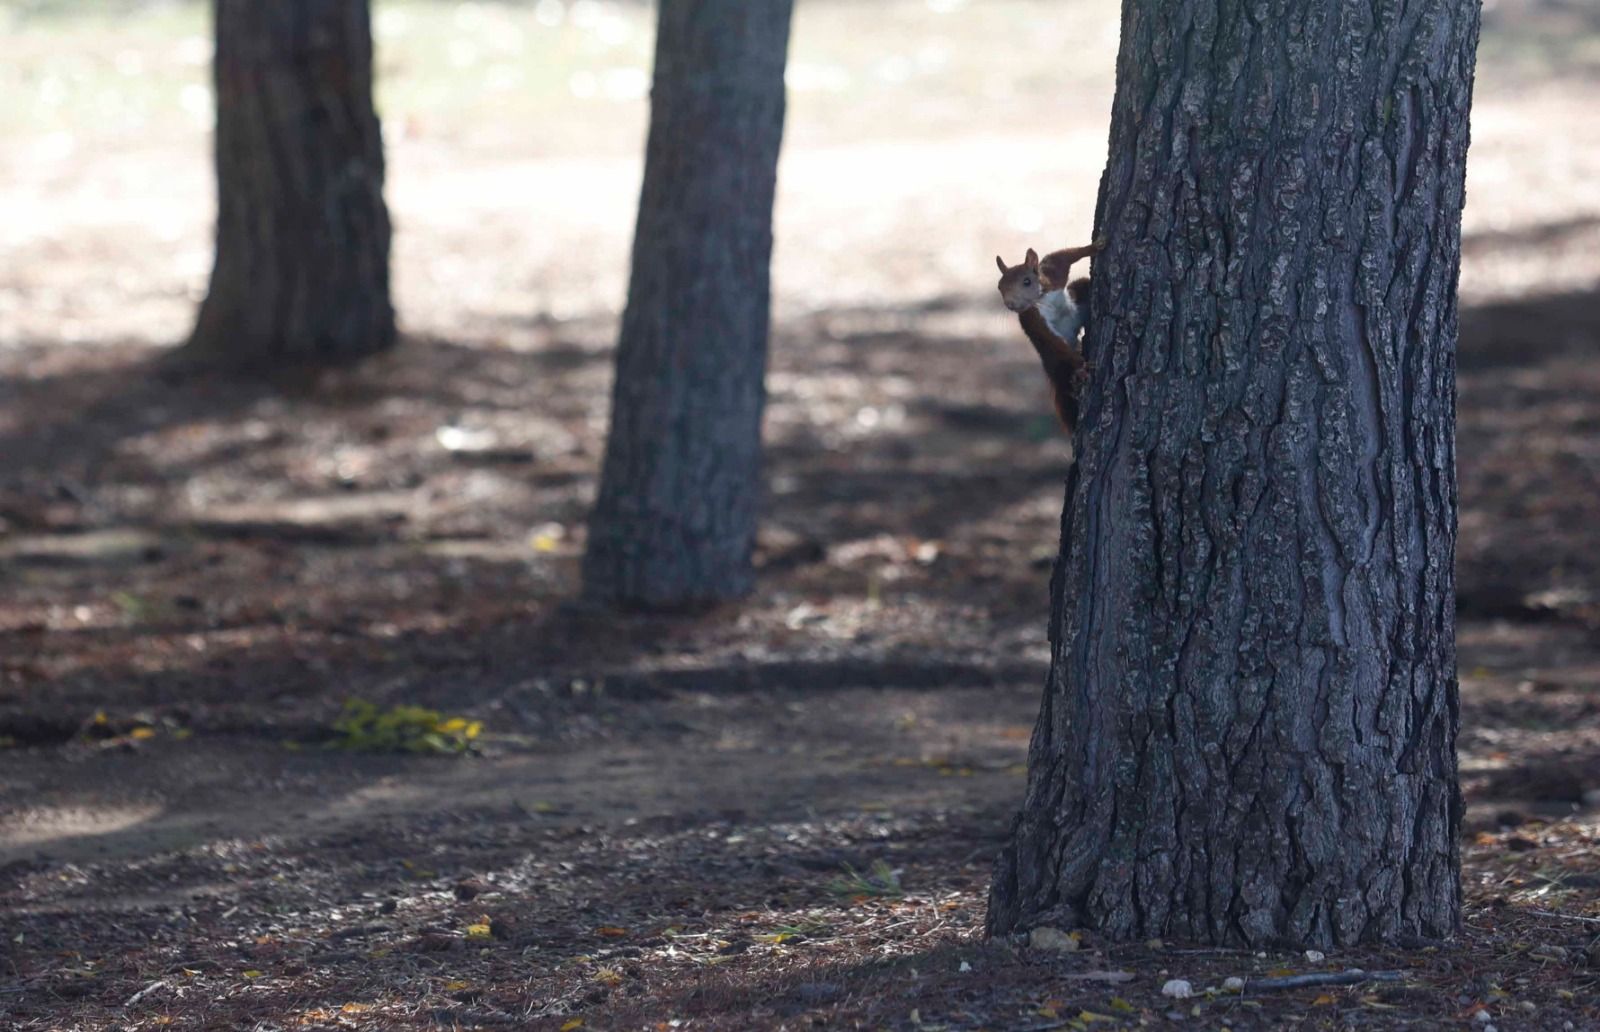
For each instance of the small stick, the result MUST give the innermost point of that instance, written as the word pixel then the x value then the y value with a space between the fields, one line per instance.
pixel 146 991
pixel 1564 917
pixel 1350 977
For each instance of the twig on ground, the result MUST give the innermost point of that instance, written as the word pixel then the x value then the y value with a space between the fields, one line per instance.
pixel 1564 917
pixel 1351 977
pixel 146 991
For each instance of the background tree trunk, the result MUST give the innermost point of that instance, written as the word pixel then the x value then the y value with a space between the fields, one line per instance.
pixel 302 270
pixel 675 521
pixel 1248 732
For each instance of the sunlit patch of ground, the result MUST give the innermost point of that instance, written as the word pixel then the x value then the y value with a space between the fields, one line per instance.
pixel 672 820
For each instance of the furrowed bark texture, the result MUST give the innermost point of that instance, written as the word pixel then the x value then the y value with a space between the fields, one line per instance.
pixel 302 269
pixel 1248 732
pixel 675 521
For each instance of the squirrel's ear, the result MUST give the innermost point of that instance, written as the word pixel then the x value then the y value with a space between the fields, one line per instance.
pixel 1000 262
pixel 1033 258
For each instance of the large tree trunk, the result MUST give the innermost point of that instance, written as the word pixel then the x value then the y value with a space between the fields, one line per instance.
pixel 302 270
pixel 675 521
pixel 1248 732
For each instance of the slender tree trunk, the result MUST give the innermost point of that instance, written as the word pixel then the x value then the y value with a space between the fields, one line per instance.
pixel 302 270
pixel 1248 732
pixel 675 521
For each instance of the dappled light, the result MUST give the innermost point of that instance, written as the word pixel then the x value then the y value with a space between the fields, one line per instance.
pixel 305 721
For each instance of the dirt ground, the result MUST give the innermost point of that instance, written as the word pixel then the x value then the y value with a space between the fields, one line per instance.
pixel 779 815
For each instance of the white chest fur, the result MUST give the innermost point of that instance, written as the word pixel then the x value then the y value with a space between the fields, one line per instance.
pixel 1064 317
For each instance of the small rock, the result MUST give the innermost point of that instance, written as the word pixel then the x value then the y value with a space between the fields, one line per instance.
pixel 1482 1018
pixel 1490 1028
pixel 470 888
pixel 1233 985
pixel 1592 797
pixel 1548 952
pixel 1178 989
pixel 1046 938
pixel 1315 956
pixel 1527 1007
pixel 1154 944
pixel 965 967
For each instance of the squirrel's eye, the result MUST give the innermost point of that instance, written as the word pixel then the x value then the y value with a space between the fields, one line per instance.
pixel 1027 282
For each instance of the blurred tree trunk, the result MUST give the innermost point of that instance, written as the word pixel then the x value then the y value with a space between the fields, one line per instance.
pixel 675 521
pixel 1248 732
pixel 302 268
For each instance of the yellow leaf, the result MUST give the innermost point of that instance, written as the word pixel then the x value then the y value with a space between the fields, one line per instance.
pixel 453 986
pixel 1090 1017
pixel 252 973
pixel 183 733
pixel 1324 1000
pixel 545 543
pixel 574 1023
pixel 355 1008
pixel 1119 1004
pixel 780 937
pixel 1046 1012
pixel 142 733
pixel 481 930
pixel 100 717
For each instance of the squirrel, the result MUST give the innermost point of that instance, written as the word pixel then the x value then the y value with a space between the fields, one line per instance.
pixel 1052 311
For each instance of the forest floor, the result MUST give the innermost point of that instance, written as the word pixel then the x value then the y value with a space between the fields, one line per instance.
pixel 777 815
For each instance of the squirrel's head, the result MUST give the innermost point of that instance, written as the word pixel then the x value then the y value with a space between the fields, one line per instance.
pixel 1020 285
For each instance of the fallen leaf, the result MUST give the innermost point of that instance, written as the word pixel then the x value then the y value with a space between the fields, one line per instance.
pixel 458 984
pixel 142 733
pixel 611 931
pixel 1047 938
pixel 252 973
pixel 574 1023
pixel 1324 1000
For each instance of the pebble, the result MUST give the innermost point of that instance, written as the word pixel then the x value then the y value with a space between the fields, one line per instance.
pixel 1233 985
pixel 1178 989
pixel 1315 956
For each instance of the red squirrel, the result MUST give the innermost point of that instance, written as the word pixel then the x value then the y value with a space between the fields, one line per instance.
pixel 1052 311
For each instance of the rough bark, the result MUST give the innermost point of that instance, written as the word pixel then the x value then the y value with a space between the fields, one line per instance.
pixel 1248 731
pixel 302 267
pixel 675 521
